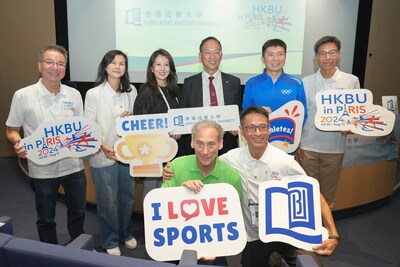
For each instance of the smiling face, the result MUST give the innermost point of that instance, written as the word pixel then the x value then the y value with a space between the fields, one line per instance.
pixel 50 67
pixel 257 141
pixel 161 69
pixel 116 69
pixel 206 145
pixel 328 57
pixel 210 56
pixel 274 59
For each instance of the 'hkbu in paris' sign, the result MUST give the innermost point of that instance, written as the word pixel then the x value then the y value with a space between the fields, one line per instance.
pixel 352 110
pixel 57 139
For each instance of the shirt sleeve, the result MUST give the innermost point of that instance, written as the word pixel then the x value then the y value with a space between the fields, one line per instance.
pixel 302 98
pixel 247 96
pixel 172 182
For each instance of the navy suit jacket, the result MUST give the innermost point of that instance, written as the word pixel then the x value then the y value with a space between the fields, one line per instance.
pixel 191 96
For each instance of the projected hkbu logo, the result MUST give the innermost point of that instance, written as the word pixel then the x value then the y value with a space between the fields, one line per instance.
pixel 290 212
pixel 133 16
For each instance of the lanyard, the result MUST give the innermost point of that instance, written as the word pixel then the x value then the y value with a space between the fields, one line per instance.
pixel 165 99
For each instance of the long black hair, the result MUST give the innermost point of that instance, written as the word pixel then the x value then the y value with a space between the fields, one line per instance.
pixel 102 73
pixel 172 79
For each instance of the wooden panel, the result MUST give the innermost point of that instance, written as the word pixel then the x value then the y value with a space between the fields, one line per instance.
pixel 382 60
pixel 26 27
pixel 364 184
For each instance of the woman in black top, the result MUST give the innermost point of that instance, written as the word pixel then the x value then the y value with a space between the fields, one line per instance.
pixel 160 91
pixel 157 95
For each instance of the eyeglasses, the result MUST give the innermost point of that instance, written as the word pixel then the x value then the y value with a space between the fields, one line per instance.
pixel 212 52
pixel 263 128
pixel 332 53
pixel 51 63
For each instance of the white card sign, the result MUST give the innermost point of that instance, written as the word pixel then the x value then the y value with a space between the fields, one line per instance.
pixel 290 212
pixel 352 110
pixel 58 139
pixel 209 222
pixel 286 124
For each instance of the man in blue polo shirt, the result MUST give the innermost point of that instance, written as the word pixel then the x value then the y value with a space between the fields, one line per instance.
pixel 273 88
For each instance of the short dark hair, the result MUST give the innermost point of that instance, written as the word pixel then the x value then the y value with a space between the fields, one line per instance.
pixel 273 42
pixel 251 110
pixel 325 40
pixel 57 48
pixel 207 39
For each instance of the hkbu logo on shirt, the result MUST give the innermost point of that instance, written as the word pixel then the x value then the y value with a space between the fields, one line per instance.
pixel 286 91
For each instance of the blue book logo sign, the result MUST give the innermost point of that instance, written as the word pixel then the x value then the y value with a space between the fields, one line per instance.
pixel 290 212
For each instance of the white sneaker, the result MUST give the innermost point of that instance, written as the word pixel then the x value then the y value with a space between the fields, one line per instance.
pixel 131 243
pixel 114 251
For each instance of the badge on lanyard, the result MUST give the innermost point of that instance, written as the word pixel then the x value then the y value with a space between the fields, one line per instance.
pixel 253 214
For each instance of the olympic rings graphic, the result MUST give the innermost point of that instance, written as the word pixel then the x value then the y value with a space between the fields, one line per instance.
pixel 286 91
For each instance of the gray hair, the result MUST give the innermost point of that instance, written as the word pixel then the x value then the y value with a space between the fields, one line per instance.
pixel 57 48
pixel 208 124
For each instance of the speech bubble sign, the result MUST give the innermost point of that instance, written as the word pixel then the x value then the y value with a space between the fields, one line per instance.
pixel 352 110
pixel 179 121
pixel 57 139
pixel 209 222
pixel 183 119
pixel 290 212
pixel 286 124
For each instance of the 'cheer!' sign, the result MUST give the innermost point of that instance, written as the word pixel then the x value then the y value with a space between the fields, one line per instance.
pixel 209 222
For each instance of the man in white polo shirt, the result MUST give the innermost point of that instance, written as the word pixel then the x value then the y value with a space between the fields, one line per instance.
pixel 47 100
pixel 321 152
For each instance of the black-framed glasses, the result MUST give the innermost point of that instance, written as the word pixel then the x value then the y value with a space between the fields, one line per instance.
pixel 263 128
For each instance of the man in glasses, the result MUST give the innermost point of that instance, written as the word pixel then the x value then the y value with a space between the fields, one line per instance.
pixel 47 100
pixel 211 87
pixel 321 152
pixel 257 163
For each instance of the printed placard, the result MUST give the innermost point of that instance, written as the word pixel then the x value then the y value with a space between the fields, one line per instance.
pixel 290 212
pixel 209 222
pixel 179 121
pixel 184 118
pixel 285 126
pixel 57 139
pixel 352 110
pixel 145 142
